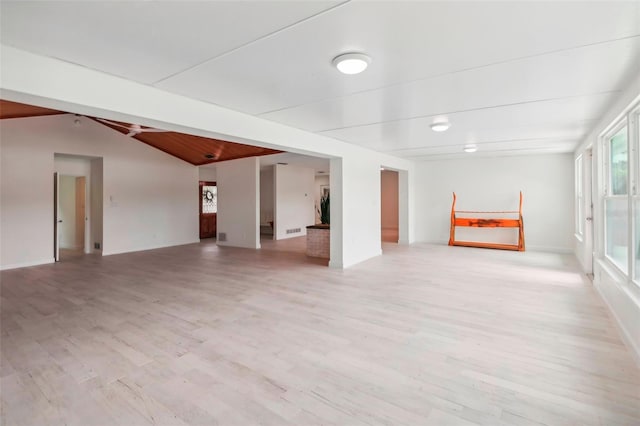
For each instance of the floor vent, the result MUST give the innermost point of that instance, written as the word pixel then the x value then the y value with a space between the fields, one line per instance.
pixel 293 230
pixel 222 236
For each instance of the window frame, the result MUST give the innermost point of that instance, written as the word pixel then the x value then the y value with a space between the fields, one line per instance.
pixel 633 139
pixel 608 193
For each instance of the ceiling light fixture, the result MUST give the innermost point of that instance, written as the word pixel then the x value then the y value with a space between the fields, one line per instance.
pixel 351 63
pixel 470 147
pixel 440 126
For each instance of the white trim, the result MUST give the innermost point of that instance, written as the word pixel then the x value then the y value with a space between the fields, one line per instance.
pixel 27 264
pixel 144 248
pixel 626 336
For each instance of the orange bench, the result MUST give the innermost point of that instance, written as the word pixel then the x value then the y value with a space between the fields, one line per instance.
pixel 486 223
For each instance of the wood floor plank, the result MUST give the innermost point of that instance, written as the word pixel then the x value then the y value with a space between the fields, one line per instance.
pixel 201 334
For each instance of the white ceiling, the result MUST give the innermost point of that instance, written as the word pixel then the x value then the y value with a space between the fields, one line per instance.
pixel 513 77
pixel 319 165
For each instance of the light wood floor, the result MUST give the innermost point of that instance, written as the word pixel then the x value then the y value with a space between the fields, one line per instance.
pixel 424 335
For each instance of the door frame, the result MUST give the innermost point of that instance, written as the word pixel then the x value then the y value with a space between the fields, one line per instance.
pixel 56 194
pixel 588 189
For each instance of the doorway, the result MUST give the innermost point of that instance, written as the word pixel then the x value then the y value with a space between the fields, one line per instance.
pixel 78 212
pixel 389 205
pixel 208 195
pixel 71 216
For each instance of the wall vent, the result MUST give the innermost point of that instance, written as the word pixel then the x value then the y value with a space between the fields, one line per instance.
pixel 293 230
pixel 222 236
pixel 96 246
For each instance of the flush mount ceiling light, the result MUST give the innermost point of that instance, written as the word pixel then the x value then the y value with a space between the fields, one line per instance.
pixel 440 125
pixel 470 147
pixel 351 63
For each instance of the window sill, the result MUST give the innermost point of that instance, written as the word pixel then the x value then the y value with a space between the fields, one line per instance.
pixel 612 265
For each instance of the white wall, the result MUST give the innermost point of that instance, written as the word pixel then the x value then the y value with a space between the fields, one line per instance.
pixel 294 199
pixel 355 191
pixel 148 195
pixel 493 184
pixel 96 210
pixel 266 195
pixel 239 202
pixel 67 212
pixel 320 181
pixel 207 174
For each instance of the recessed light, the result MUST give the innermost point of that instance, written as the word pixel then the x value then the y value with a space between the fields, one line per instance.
pixel 470 147
pixel 209 156
pixel 440 126
pixel 351 63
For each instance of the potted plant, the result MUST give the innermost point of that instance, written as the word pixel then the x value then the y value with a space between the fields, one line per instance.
pixel 323 211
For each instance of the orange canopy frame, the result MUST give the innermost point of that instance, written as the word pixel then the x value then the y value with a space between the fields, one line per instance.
pixel 486 223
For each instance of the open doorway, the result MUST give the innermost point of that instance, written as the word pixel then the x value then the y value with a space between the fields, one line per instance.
pixel 77 206
pixel 389 205
pixel 71 217
pixel 267 200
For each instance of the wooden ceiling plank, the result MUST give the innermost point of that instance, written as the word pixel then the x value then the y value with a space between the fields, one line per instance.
pixel 190 148
pixel 9 109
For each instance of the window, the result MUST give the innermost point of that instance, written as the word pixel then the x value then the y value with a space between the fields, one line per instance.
pixel 634 132
pixel 616 202
pixel 579 197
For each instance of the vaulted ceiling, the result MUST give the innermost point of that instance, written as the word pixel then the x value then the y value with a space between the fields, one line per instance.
pixel 196 150
pixel 10 109
pixel 512 77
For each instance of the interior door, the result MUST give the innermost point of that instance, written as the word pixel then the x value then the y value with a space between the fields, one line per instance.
pixel 56 215
pixel 208 196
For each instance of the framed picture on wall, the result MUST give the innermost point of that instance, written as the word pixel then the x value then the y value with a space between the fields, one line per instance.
pixel 324 190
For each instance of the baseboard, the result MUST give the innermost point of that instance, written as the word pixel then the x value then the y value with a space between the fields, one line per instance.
pixel 345 265
pixel 335 265
pixel 626 338
pixel 228 244
pixel 154 247
pixel 27 264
